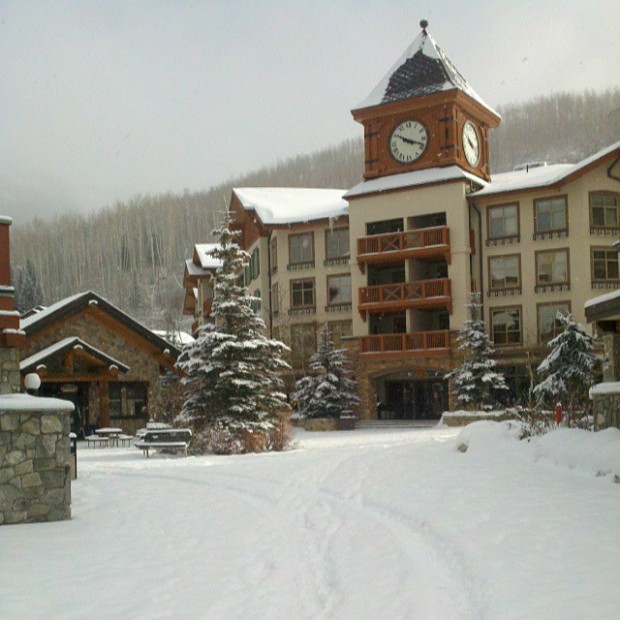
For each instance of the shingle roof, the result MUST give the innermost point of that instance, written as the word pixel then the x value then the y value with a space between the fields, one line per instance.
pixel 423 69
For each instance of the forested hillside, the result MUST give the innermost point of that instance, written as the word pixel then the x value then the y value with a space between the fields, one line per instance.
pixel 133 252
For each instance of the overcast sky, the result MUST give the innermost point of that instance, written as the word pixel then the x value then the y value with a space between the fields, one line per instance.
pixel 103 100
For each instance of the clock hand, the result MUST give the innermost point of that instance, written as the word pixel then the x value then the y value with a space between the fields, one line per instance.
pixel 408 140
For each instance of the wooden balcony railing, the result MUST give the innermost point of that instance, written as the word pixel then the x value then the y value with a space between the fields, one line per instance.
pixel 394 297
pixel 398 246
pixel 421 343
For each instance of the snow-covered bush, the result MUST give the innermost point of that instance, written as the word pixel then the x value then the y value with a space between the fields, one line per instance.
pixel 329 392
pixel 234 400
pixel 476 383
pixel 569 371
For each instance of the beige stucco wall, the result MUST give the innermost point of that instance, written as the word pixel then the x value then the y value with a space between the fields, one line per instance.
pixel 448 198
pixel 579 241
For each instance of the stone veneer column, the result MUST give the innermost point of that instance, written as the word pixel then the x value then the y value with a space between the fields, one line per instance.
pixel 11 339
pixel 35 476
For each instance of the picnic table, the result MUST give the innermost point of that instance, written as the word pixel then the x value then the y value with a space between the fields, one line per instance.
pixel 110 433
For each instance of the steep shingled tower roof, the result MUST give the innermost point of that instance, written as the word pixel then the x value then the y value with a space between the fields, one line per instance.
pixel 423 69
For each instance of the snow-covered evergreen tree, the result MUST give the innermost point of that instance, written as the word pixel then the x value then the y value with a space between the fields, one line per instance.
pixel 234 400
pixel 569 370
pixel 329 391
pixel 476 383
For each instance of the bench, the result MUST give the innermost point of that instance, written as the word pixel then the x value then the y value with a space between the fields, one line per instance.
pixel 96 440
pixel 172 439
pixel 125 439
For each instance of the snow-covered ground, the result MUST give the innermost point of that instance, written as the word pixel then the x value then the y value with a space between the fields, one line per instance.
pixel 366 524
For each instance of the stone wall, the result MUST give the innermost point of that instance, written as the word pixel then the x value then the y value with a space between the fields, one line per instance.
pixel 35 477
pixel 9 370
pixel 606 410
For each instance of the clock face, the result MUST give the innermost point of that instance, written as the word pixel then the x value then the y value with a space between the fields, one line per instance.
pixel 471 144
pixel 408 141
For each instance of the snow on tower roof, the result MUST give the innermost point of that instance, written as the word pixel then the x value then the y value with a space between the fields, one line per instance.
pixel 543 176
pixel 423 69
pixel 428 176
pixel 288 205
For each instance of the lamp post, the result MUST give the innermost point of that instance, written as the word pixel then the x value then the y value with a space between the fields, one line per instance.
pixel 32 383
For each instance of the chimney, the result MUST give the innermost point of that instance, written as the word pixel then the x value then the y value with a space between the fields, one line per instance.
pixel 11 338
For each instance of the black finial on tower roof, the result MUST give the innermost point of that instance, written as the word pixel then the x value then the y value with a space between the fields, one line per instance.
pixel 424 24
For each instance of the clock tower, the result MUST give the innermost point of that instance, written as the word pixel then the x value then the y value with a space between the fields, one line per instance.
pixel 424 114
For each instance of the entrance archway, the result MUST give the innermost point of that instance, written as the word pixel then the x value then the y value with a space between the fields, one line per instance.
pixel 416 394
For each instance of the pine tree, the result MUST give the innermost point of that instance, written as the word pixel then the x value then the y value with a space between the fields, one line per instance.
pixel 476 382
pixel 570 368
pixel 28 292
pixel 330 391
pixel 234 400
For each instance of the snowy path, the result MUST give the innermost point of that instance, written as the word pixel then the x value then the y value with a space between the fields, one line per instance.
pixel 370 524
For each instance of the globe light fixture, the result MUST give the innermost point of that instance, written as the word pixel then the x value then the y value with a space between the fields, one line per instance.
pixel 32 383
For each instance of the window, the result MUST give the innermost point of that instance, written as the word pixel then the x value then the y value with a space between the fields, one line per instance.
pixel 603 210
pixel 301 248
pixel 255 263
pixel 604 264
pixel 505 272
pixel 115 406
pixel 548 325
pixel 551 215
pixel 273 255
pixel 506 326
pixel 302 293
pixel 339 289
pixel 303 341
pixel 339 329
pixel 337 243
pixel 503 221
pixel 275 298
pixel 552 267
pixel 257 302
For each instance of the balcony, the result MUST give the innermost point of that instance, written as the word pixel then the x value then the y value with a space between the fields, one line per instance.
pixel 423 243
pixel 424 294
pixel 416 343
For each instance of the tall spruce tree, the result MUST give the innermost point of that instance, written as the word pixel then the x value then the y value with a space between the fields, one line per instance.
pixel 476 383
pixel 570 368
pixel 330 391
pixel 234 400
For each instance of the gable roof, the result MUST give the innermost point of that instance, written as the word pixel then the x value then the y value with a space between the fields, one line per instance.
pixel 423 69
pixel 67 344
pixel 76 303
pixel 290 205
pixel 545 176
pixel 202 252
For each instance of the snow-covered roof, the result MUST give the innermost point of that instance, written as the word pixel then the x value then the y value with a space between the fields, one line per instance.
pixel 603 307
pixel 423 69
pixel 75 303
pixel 601 299
pixel 177 338
pixel 608 387
pixel 203 250
pixel 73 342
pixel 541 176
pixel 428 176
pixel 289 205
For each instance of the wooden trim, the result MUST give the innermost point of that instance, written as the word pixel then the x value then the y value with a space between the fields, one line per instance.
pixel 490 279
pixel 542 305
pixel 301 234
pixel 502 206
pixel 504 309
pixel 551 230
pixel 301 280
pixel 538 253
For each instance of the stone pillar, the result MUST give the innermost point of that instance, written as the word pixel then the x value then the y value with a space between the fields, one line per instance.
pixel 11 338
pixel 35 475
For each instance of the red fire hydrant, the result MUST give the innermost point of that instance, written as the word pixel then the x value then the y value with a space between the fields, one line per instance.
pixel 559 414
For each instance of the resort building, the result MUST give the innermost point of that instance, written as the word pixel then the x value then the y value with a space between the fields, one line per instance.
pixel 390 263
